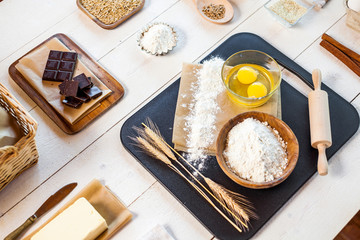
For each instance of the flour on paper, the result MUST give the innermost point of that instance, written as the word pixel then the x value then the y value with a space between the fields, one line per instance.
pixel 200 123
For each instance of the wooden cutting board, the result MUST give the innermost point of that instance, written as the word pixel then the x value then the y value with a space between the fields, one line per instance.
pixel 93 66
pixel 344 123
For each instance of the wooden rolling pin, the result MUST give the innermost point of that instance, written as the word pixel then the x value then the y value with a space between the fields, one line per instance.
pixel 320 129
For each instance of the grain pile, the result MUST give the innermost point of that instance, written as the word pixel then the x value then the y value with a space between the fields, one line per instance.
pixel 110 11
pixel 289 10
pixel 214 11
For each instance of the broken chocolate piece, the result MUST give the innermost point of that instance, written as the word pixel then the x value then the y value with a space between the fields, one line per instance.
pixel 84 82
pixel 69 88
pixel 93 92
pixel 62 88
pixel 82 96
pixel 72 102
pixel 91 83
pixel 61 65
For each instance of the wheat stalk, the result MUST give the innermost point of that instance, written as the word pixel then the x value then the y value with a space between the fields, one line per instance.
pixel 153 151
pixel 145 145
pixel 154 133
pixel 232 202
pixel 240 206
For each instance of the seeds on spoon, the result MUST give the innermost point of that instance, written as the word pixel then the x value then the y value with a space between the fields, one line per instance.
pixel 214 11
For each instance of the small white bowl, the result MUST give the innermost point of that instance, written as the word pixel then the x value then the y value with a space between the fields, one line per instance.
pixel 302 3
pixel 147 28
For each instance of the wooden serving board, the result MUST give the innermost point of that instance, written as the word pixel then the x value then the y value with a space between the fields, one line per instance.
pixel 295 113
pixel 113 25
pixel 93 66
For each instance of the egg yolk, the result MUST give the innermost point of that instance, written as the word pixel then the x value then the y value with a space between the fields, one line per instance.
pixel 247 75
pixel 256 90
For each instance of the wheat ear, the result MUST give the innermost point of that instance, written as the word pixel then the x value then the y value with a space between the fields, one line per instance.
pixel 154 133
pixel 145 145
pixel 151 150
pixel 233 203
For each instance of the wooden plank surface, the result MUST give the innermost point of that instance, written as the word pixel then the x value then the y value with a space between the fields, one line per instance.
pixel 96 152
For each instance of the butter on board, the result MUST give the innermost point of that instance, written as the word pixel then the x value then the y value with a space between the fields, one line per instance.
pixel 80 221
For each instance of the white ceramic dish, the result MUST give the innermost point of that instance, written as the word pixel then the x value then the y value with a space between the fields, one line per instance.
pixel 303 3
pixel 144 30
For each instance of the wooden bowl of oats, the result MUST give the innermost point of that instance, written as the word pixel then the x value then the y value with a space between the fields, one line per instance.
pixel 257 150
pixel 110 14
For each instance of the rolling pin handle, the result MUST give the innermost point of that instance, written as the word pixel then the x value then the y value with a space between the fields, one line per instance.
pixel 316 77
pixel 322 161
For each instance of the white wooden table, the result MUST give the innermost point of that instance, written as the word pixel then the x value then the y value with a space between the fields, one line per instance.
pixel 319 210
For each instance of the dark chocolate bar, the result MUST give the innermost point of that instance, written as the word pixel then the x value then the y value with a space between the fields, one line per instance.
pixel 72 102
pixel 84 82
pixel 93 92
pixel 60 66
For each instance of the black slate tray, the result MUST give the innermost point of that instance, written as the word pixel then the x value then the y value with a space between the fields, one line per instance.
pixel 344 123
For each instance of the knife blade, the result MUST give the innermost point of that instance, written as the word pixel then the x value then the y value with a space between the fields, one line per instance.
pixel 46 206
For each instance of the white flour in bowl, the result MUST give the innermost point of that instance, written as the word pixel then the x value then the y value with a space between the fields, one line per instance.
pixel 255 151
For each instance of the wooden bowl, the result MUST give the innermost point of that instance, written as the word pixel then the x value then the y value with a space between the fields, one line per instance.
pixel 112 25
pixel 286 134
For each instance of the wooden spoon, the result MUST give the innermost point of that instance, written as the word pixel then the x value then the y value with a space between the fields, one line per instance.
pixel 229 11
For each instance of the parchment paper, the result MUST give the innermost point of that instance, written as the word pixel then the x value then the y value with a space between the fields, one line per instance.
pixel 32 67
pixel 105 202
pixel 228 110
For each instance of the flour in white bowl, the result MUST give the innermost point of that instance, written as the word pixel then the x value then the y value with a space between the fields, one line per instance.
pixel 255 151
pixel 158 39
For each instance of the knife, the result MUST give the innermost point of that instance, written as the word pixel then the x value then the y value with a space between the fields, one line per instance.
pixel 46 206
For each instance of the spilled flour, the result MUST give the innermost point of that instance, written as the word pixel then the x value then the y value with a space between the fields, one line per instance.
pixel 200 123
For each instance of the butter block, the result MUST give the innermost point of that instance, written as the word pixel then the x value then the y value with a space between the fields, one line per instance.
pixel 80 221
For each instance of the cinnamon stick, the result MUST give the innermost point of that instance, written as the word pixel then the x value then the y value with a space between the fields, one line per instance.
pixel 341 47
pixel 341 56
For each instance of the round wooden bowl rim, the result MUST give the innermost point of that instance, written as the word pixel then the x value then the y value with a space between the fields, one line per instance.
pixel 221 141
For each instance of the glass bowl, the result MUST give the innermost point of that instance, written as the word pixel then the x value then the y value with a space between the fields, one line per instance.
pixel 289 16
pixel 251 58
pixel 352 17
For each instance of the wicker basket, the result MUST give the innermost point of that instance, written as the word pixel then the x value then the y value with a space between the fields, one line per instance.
pixel 15 159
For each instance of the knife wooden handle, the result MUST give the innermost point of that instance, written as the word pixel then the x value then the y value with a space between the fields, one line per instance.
pixel 16 233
